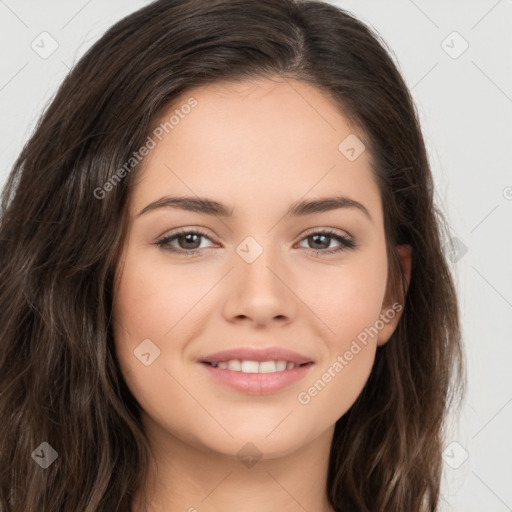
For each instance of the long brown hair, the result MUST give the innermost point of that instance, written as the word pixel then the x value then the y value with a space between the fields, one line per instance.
pixel 60 382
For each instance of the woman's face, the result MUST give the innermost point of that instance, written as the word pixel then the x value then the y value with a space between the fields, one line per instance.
pixel 259 279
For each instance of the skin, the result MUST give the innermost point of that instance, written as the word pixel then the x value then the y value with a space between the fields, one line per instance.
pixel 256 146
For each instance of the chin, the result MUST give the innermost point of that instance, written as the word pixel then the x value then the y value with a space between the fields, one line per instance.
pixel 256 442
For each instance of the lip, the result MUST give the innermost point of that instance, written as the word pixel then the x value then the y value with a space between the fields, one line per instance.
pixel 257 383
pixel 257 354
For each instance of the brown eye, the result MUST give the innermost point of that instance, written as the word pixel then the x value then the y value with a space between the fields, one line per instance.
pixel 320 241
pixel 189 242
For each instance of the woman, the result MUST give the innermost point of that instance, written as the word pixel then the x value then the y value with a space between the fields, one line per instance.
pixel 306 356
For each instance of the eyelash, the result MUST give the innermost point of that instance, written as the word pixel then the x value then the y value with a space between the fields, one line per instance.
pixel 346 243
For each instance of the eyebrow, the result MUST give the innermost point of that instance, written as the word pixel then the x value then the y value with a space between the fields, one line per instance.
pixel 210 207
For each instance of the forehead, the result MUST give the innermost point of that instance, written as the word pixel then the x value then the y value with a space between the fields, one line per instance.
pixel 261 140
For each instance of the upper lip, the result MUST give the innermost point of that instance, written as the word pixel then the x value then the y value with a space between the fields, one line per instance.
pixel 257 354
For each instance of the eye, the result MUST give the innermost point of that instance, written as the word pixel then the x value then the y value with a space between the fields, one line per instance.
pixel 187 239
pixel 322 240
pixel 189 242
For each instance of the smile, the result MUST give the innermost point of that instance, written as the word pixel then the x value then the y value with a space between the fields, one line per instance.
pixel 256 366
pixel 257 378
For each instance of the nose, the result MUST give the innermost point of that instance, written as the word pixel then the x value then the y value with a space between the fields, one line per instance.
pixel 260 292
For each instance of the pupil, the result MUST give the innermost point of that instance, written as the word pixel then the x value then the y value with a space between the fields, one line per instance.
pixel 323 236
pixel 187 238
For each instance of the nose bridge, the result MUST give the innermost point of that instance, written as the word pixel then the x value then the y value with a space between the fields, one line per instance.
pixel 259 261
pixel 259 291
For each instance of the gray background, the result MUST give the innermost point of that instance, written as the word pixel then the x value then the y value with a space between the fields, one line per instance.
pixel 465 105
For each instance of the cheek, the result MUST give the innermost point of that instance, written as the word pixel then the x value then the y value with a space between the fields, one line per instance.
pixel 161 302
pixel 347 299
pixel 146 306
pixel 152 302
pixel 337 384
pixel 152 298
pixel 348 302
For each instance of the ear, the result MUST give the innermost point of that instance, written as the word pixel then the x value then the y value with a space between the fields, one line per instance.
pixel 390 313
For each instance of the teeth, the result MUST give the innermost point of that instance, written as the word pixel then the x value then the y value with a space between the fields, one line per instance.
pixel 234 365
pixel 268 367
pixel 250 366
pixel 281 365
pixel 255 366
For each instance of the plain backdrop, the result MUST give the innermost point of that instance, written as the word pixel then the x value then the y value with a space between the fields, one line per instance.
pixel 456 58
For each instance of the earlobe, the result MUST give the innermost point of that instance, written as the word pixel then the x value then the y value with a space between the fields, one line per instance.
pixel 390 314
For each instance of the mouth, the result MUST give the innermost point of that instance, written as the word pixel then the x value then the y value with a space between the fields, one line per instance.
pixel 257 370
pixel 256 377
pixel 250 366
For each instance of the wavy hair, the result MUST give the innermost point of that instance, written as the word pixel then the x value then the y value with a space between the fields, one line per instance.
pixel 60 381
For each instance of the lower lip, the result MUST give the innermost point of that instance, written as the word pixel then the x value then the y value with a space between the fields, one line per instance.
pixel 258 383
